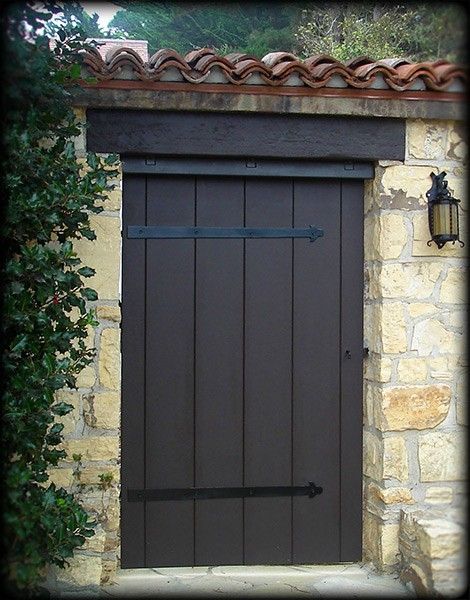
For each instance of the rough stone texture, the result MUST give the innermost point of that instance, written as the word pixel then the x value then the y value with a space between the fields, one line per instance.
pixel 432 549
pixel 426 139
pixel 395 459
pixel 83 571
pixel 392 495
pixel 454 287
pixel 441 456
pixel 102 410
pixel 93 448
pixel 87 377
pixel 457 148
pixel 71 419
pixel 430 336
pixel 103 255
pixel 108 313
pixel 384 236
pixel 438 495
pixel 418 309
pixel 372 457
pixel 394 333
pixel 411 280
pixel 404 187
pixel 113 200
pixel 110 359
pixel 412 370
pixel 61 477
pixel 378 368
pixel 421 407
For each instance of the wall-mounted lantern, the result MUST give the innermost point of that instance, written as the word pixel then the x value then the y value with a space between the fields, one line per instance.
pixel 442 213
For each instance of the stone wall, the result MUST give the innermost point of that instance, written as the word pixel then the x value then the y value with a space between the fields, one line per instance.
pixel 414 376
pixel 415 310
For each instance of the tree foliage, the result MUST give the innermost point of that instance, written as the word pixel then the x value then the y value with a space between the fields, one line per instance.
pixel 418 31
pixel 45 316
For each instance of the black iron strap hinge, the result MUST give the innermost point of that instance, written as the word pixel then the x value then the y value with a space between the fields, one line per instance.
pixel 152 232
pixel 311 490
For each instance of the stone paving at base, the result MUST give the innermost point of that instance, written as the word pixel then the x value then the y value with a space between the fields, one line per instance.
pixel 334 581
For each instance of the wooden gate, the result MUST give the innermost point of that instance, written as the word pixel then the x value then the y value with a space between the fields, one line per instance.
pixel 242 364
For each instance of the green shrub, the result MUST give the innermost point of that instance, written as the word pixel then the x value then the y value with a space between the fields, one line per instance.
pixel 45 315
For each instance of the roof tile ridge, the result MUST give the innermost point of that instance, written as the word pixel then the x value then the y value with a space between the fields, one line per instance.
pixel 273 58
pixel 167 57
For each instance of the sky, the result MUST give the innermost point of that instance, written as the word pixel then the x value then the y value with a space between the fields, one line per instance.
pixel 105 11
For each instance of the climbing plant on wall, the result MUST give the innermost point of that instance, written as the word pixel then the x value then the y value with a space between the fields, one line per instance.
pixel 45 314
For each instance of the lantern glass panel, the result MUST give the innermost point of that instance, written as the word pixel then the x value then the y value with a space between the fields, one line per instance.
pixel 442 218
pixel 454 221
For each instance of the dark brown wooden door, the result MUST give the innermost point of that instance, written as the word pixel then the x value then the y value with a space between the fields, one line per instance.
pixel 242 366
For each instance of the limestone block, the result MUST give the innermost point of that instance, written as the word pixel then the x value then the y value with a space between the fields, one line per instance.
pixel 378 368
pixel 458 318
pixel 441 456
pixel 394 330
pixel 62 478
pixel 372 456
pixel 440 538
pixel 87 377
pixel 113 200
pixel 102 410
pixel 96 543
pixel 82 571
pixel 430 336
pixel 395 459
pixel 93 448
pixel 439 495
pixel 426 139
pixel 103 255
pixel 421 236
pixel 413 280
pixel 457 148
pixel 393 495
pixel 418 309
pixel 418 407
pixel 110 358
pixel 385 236
pixel 373 327
pixel 412 370
pixel 108 313
pixel 370 538
pixel 90 474
pixel 372 401
pixel 69 420
pixel 108 574
pixel 462 402
pixel 454 287
pixel 389 543
pixel 405 187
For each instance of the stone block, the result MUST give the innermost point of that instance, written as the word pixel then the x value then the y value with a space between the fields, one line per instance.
pixel 457 148
pixel 392 495
pixel 418 309
pixel 395 459
pixel 103 255
pixel 110 358
pixel 394 329
pixel 441 456
pixel 108 313
pixel 373 327
pixel 61 477
pixel 412 370
pixel 417 407
pixel 385 236
pixel 109 570
pixel 439 495
pixel 82 571
pixel 96 543
pixel 430 337
pixel 87 377
pixel 90 474
pixel 389 544
pixel 102 410
pixel 440 538
pixel 426 139
pixel 113 200
pixel 378 368
pixel 454 287
pixel 372 456
pixel 412 280
pixel 93 448
pixel 71 419
pixel 404 187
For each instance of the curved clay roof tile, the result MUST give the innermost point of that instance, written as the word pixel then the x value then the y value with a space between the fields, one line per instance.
pixel 164 57
pixel 320 59
pixel 274 58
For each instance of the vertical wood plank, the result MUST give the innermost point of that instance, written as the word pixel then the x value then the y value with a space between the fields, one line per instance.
pixel 133 373
pixel 219 372
pixel 268 312
pixel 170 373
pixel 351 369
pixel 316 372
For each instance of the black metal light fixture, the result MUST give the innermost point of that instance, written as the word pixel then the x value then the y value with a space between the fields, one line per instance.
pixel 443 213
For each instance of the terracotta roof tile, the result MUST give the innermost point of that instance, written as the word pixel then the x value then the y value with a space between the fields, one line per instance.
pixel 275 69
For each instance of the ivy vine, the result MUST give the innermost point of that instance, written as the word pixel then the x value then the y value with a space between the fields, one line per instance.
pixel 45 311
